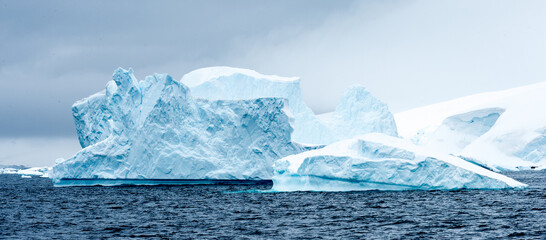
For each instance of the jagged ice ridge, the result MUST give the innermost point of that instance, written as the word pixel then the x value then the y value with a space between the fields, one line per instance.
pixel 155 129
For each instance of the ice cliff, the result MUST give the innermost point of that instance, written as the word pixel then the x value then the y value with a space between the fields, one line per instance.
pixel 358 112
pixel 155 129
pixel 379 161
pixel 503 130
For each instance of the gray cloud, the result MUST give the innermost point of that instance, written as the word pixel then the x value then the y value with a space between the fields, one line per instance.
pixel 414 53
pixel 56 52
pixel 36 151
pixel 408 53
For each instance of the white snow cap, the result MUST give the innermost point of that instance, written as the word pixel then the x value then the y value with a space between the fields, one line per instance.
pixel 502 130
pixel 201 75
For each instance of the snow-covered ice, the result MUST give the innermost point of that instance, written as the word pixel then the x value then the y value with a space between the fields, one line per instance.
pixel 155 129
pixel 358 112
pixel 33 171
pixel 379 161
pixel 503 130
pixel 8 170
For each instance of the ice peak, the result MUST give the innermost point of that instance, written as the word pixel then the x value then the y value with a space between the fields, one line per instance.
pixel 124 79
pixel 356 96
pixel 359 112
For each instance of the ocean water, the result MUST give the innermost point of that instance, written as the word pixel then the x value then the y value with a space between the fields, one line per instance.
pixel 34 209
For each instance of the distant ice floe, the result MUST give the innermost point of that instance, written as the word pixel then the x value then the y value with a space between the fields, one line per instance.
pixel 27 172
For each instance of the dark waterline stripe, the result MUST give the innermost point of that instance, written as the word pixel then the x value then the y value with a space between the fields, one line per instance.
pixel 118 182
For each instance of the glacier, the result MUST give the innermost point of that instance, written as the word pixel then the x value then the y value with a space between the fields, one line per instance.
pixel 504 130
pixel 381 162
pixel 156 129
pixel 358 111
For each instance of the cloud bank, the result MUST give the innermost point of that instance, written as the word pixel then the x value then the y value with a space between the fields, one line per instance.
pixel 407 53
pixel 414 53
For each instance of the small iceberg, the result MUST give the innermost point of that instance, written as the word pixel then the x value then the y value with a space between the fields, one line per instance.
pixel 35 171
pixel 381 162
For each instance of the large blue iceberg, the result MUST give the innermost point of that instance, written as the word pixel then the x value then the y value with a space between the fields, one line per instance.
pixel 155 129
pixel 223 124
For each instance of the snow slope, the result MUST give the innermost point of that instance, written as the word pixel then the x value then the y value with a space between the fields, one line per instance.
pixel 155 129
pixel 503 130
pixel 357 113
pixel 379 161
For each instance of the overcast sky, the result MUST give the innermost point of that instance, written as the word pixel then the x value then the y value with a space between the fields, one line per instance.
pixel 408 53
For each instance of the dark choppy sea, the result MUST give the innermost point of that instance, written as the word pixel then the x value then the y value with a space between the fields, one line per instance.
pixel 34 209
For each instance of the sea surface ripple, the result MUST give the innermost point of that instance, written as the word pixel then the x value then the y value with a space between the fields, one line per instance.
pixel 33 208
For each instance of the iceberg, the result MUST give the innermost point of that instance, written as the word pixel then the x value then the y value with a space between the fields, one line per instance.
pixel 156 129
pixel 503 130
pixel 35 171
pixel 26 171
pixel 358 112
pixel 230 124
pixel 381 162
pixel 8 170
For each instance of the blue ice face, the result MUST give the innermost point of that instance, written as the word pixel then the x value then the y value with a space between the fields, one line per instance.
pixel 358 112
